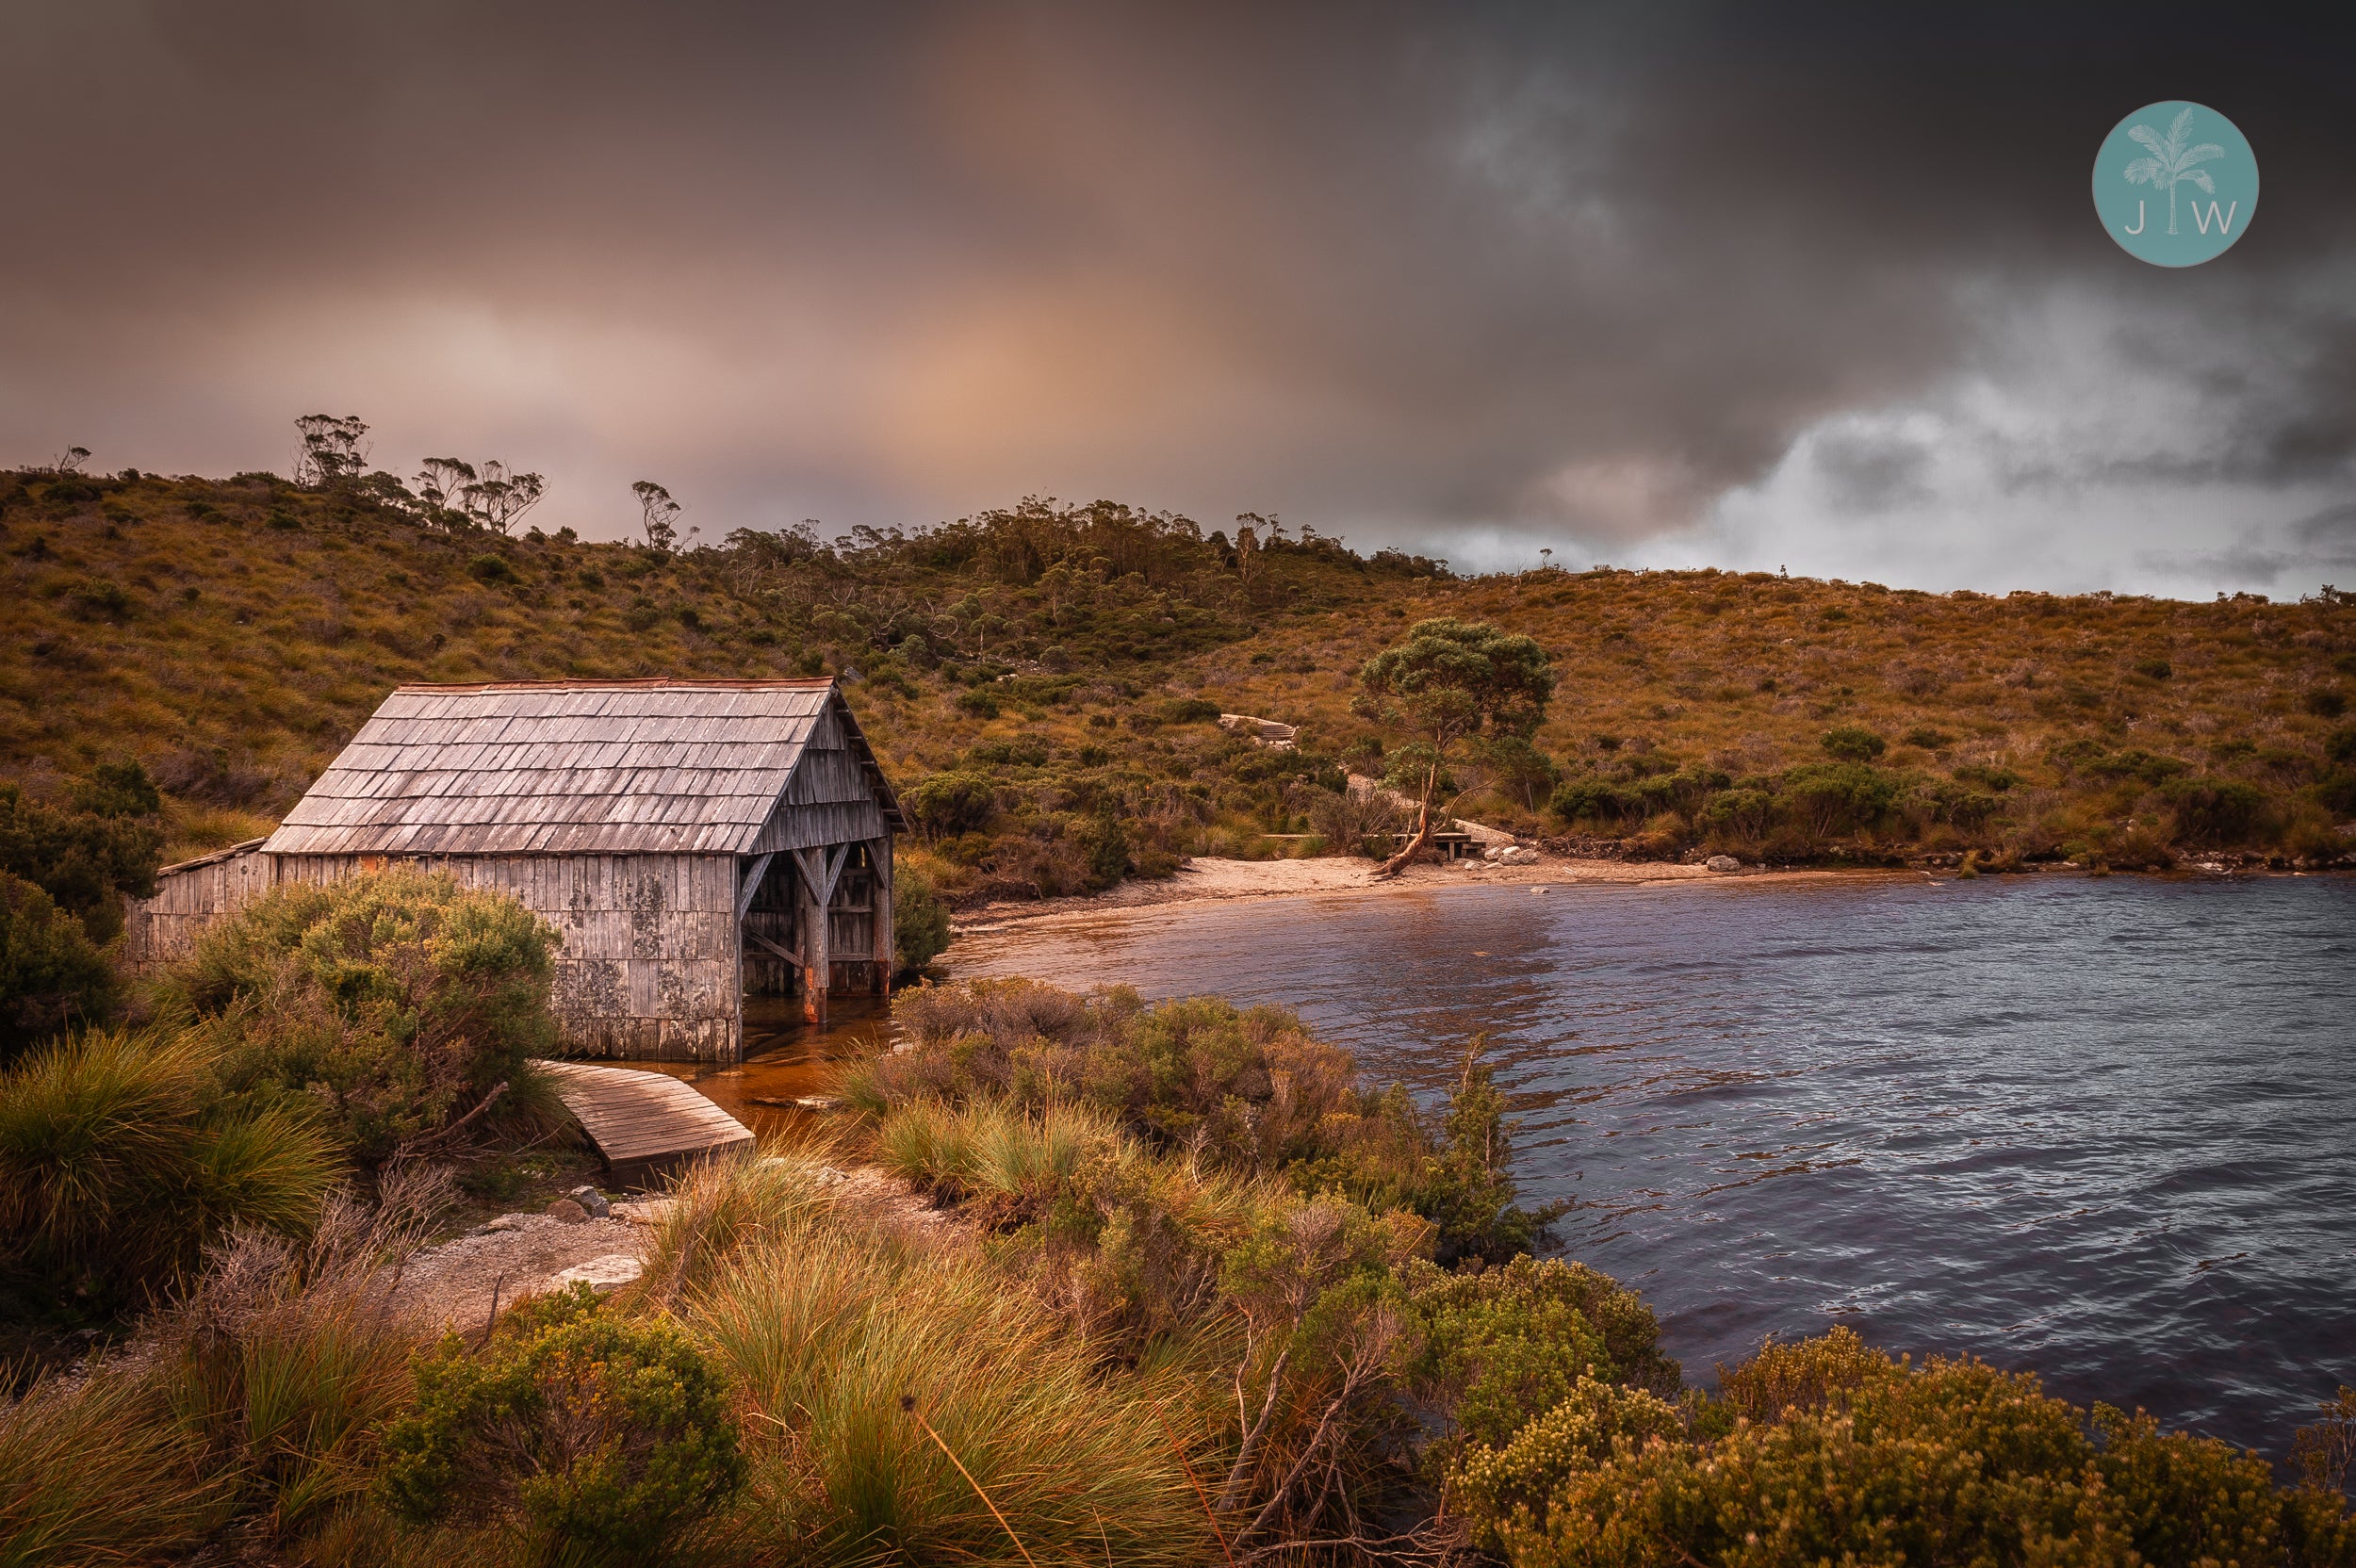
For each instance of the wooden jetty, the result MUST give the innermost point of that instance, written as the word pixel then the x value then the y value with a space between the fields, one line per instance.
pixel 645 1124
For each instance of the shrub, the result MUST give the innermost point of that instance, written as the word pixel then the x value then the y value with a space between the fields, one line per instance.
pixel 1832 1452
pixel 2155 669
pixel 2325 702
pixel 602 1436
pixel 977 704
pixel 1501 1347
pixel 1850 742
pixel 2214 810
pixel 116 1167
pixel 1927 738
pixel 1823 798
pixel 919 922
pixel 395 1002
pixel 947 804
pixel 491 570
pixel 82 860
pixel 50 975
pixel 1106 846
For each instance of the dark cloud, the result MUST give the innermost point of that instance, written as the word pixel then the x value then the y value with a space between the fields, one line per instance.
pixel 1441 274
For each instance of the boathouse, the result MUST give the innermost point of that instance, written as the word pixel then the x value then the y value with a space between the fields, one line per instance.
pixel 694 842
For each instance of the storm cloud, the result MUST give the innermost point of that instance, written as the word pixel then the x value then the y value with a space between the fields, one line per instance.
pixel 1750 287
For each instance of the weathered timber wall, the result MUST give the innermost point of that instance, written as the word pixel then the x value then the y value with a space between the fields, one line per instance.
pixel 164 928
pixel 647 965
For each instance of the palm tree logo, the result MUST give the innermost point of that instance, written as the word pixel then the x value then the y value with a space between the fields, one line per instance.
pixel 2172 161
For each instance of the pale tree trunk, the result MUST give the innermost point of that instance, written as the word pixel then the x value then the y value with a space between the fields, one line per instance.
pixel 1424 825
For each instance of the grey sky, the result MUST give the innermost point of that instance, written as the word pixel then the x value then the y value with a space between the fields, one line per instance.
pixel 1820 288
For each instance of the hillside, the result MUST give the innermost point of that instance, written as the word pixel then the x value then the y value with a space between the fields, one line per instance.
pixel 1040 680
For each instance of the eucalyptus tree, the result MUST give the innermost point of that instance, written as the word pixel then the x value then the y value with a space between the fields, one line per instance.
pixel 334 450
pixel 658 514
pixel 1452 683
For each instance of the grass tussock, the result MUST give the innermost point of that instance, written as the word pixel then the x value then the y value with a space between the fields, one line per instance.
pixel 827 1326
pixel 258 1399
pixel 118 1164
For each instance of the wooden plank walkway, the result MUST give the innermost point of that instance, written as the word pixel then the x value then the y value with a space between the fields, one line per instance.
pixel 645 1124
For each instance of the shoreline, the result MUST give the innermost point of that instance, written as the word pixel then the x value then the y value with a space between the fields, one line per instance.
pixel 1209 881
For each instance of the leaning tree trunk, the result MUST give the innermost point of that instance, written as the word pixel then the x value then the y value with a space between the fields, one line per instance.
pixel 1425 826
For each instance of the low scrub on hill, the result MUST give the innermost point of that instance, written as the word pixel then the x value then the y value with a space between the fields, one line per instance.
pixel 1043 681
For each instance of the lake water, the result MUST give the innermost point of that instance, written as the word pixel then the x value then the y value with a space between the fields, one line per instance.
pixel 2102 1129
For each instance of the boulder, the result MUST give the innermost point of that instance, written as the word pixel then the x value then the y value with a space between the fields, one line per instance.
pixel 1721 863
pixel 508 1223
pixel 599 1274
pixel 591 1200
pixel 565 1212
pixel 1516 855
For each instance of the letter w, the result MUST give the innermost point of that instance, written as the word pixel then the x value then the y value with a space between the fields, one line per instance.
pixel 2224 224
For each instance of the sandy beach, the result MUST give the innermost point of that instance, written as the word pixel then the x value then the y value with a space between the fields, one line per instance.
pixel 1204 880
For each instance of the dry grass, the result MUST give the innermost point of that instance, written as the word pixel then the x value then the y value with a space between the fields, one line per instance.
pixel 231 635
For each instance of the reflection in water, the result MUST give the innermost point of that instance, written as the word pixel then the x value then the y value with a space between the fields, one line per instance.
pixel 784 1059
pixel 2102 1129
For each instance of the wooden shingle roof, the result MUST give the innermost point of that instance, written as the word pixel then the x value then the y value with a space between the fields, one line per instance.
pixel 572 767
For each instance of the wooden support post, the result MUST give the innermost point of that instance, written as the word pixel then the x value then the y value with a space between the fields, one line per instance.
pixel 886 951
pixel 820 867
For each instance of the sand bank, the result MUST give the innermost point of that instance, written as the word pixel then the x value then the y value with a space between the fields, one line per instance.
pixel 1204 880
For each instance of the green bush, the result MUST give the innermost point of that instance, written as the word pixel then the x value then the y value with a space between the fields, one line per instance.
pixel 84 861
pixel 491 570
pixel 1501 1347
pixel 1105 847
pixel 1825 798
pixel 603 1436
pixel 2216 811
pixel 919 922
pixel 948 804
pixel 394 1003
pixel 1832 1452
pixel 51 977
pixel 1851 742
pixel 118 1165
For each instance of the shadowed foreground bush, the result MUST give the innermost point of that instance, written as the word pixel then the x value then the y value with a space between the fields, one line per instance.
pixel 259 1397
